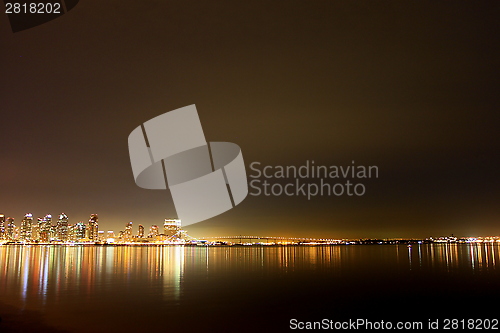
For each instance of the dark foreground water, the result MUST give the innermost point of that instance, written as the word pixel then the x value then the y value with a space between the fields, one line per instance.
pixel 230 289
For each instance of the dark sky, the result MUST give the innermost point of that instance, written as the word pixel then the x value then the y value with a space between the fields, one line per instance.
pixel 411 87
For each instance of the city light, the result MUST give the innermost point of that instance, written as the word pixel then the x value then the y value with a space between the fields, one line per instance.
pixel 44 231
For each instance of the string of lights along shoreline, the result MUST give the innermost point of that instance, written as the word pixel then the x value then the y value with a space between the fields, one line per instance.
pixel 45 230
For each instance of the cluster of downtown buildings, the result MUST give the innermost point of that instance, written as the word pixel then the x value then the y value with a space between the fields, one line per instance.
pixel 45 230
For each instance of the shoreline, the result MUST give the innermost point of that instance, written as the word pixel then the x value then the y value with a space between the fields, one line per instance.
pixel 409 242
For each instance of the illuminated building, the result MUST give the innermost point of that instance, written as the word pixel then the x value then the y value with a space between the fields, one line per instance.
pixel 45 226
pixel 161 238
pixel 2 226
pixel 35 232
pixel 37 229
pixel 17 233
pixel 62 227
pixel 101 236
pixel 171 227
pixel 127 234
pixel 182 235
pixel 26 227
pixel 93 227
pixel 140 234
pixel 79 230
pixel 53 232
pixel 9 228
pixel 71 232
pixel 153 231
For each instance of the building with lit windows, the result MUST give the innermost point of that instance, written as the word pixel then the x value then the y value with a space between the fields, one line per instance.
pixel 53 232
pixel 140 233
pixel 71 233
pixel 2 226
pixel 9 228
pixel 93 228
pixel 127 234
pixel 79 230
pixel 62 227
pixel 26 227
pixel 17 233
pixel 171 227
pixel 153 231
pixel 36 229
pixel 45 228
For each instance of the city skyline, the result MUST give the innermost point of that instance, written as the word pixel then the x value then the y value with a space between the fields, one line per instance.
pixel 327 82
pixel 43 230
pixel 63 231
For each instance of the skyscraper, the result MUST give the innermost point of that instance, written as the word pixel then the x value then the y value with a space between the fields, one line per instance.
pixel 93 227
pixel 153 231
pixel 53 232
pixel 45 225
pixel 171 227
pixel 9 228
pixel 36 229
pixel 140 234
pixel 17 233
pixel 127 234
pixel 79 230
pixel 62 227
pixel 26 227
pixel 2 226
pixel 71 232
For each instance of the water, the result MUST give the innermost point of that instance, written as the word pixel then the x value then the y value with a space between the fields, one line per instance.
pixel 227 289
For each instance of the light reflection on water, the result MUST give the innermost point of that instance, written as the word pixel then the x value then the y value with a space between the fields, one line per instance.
pixel 56 278
pixel 85 269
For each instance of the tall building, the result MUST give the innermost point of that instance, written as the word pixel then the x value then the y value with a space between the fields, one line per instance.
pixel 153 231
pixel 53 232
pixel 2 226
pixel 127 234
pixel 37 229
pixel 140 234
pixel 171 227
pixel 93 227
pixel 62 227
pixel 9 228
pixel 45 226
pixel 79 230
pixel 26 227
pixel 17 233
pixel 71 232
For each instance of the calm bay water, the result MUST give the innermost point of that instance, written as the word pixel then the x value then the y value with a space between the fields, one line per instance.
pixel 166 288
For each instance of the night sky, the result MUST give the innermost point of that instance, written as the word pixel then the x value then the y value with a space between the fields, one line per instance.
pixel 411 87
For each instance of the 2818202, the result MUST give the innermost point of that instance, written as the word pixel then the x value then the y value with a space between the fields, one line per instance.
pixel 32 8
